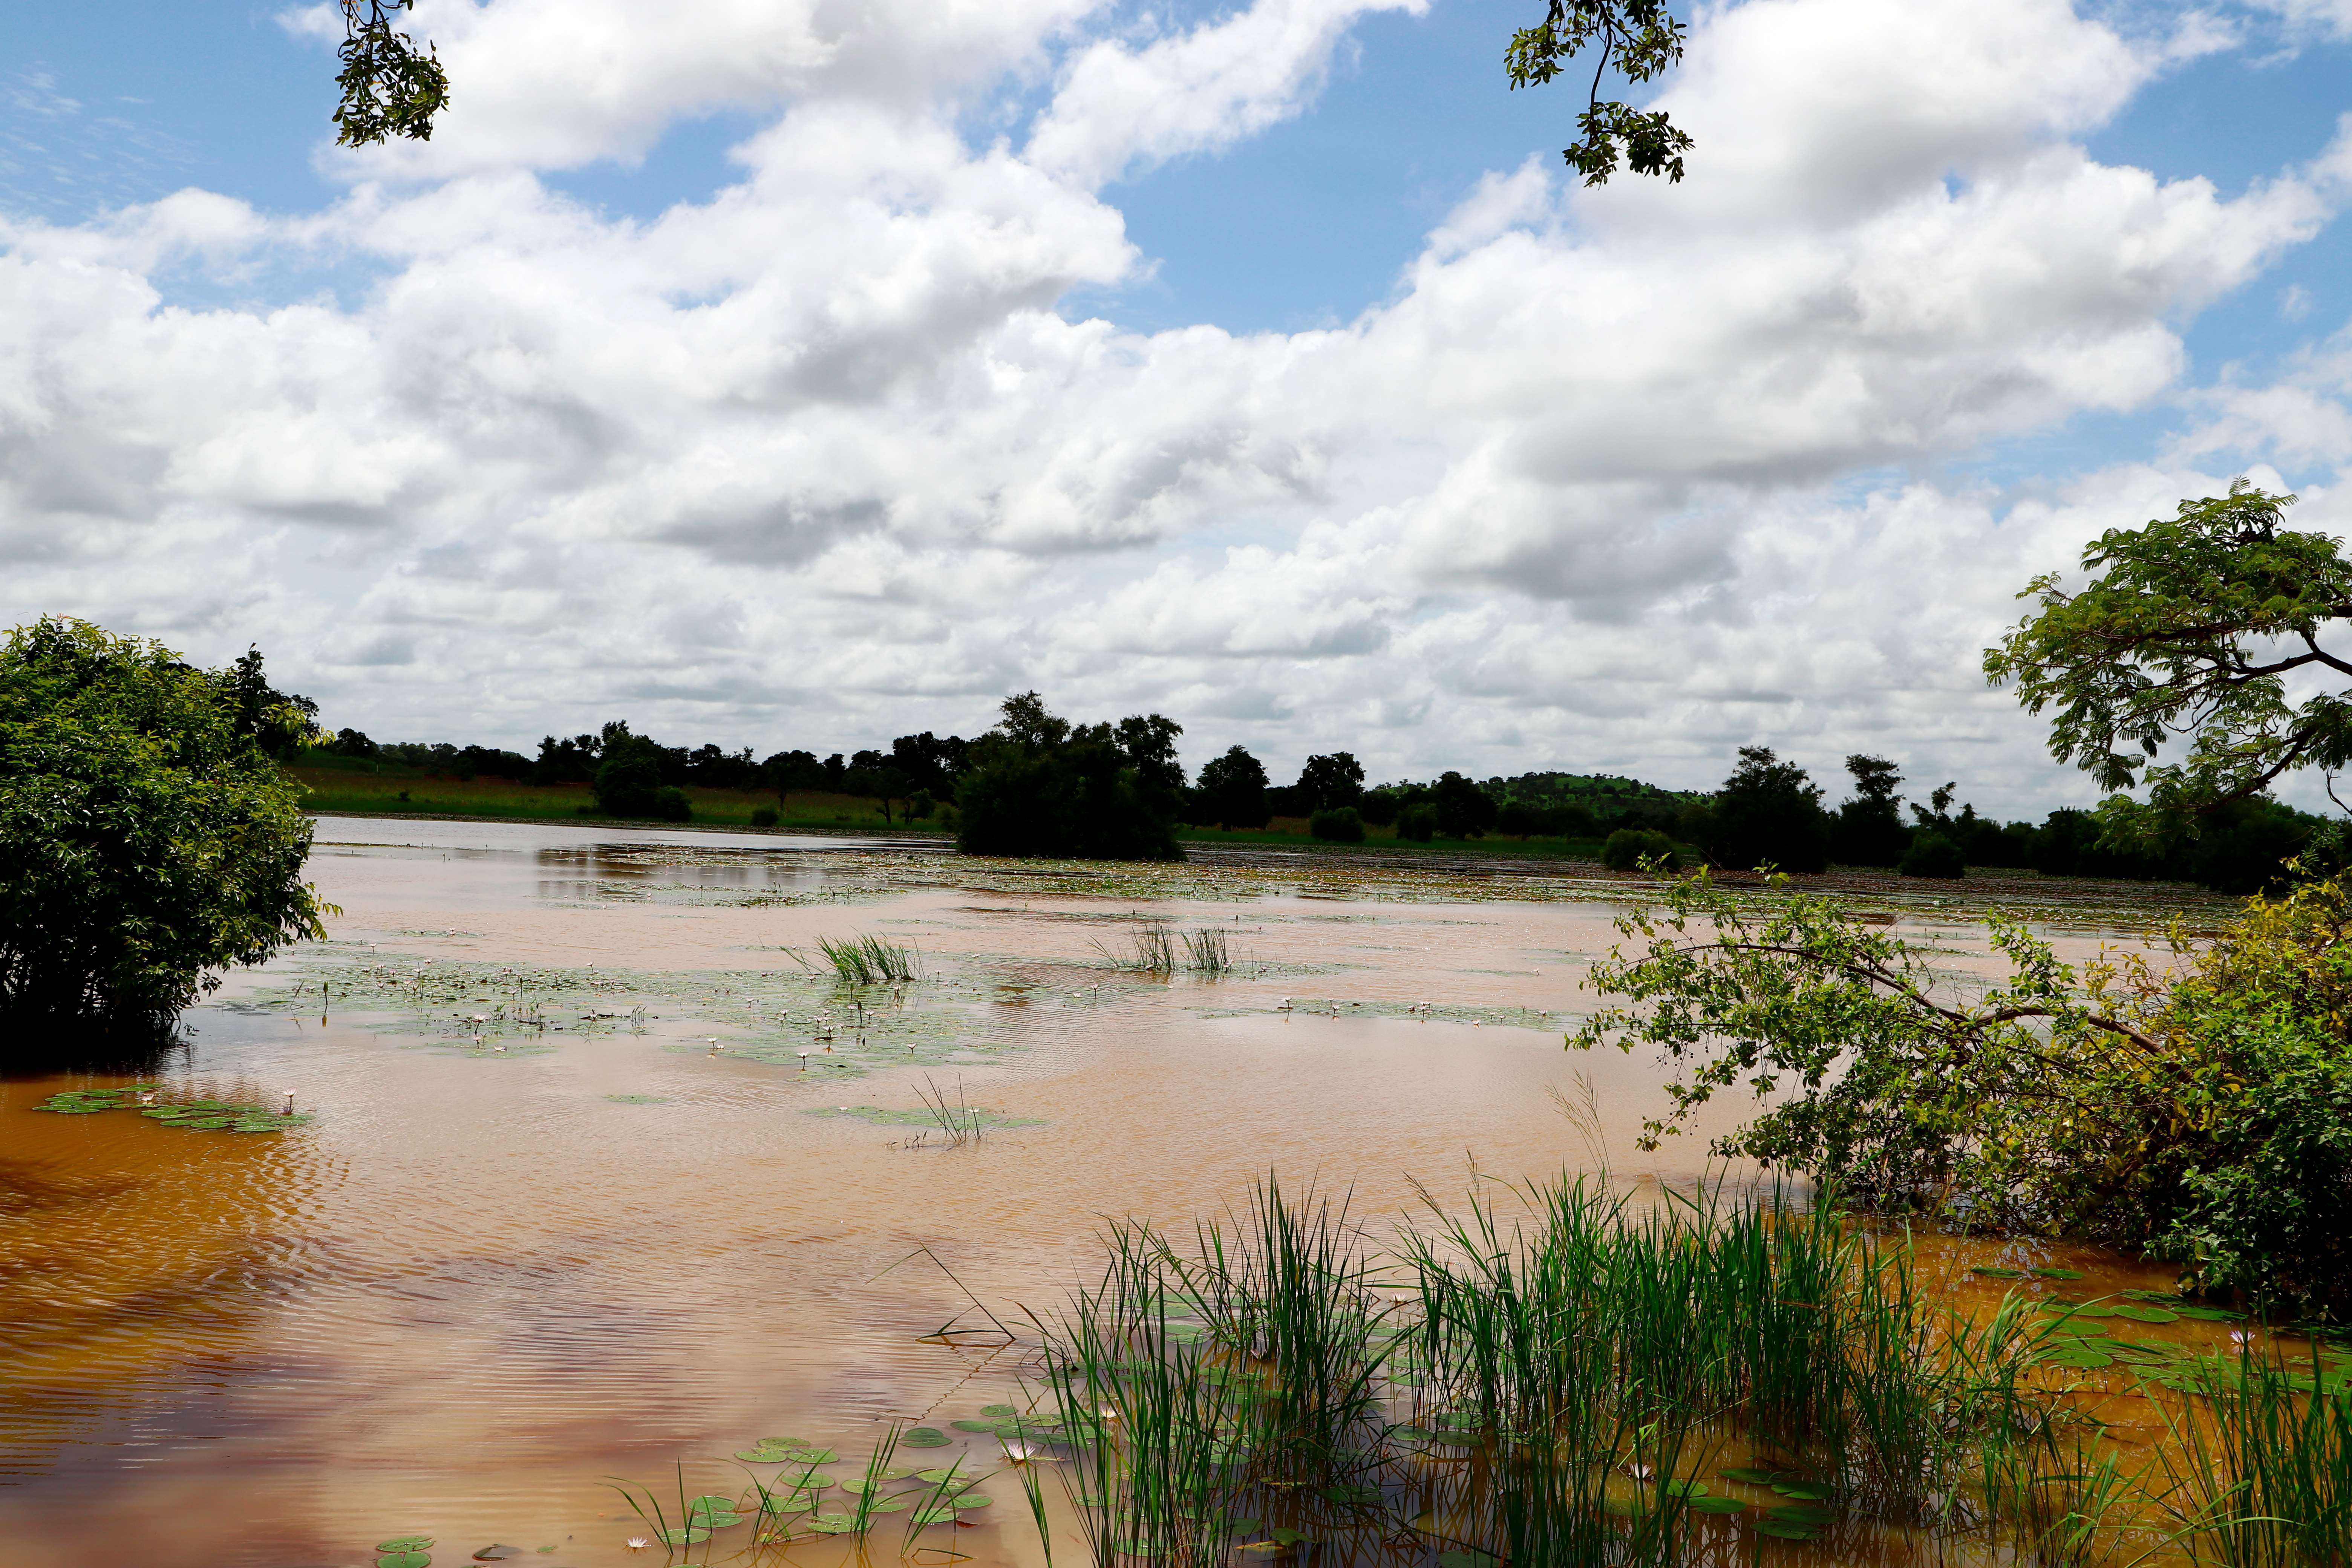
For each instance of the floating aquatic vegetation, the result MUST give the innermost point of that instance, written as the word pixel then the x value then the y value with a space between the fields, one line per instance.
pixel 404 1552
pixel 196 1115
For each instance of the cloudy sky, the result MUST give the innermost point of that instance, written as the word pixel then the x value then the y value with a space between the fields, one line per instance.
pixel 800 373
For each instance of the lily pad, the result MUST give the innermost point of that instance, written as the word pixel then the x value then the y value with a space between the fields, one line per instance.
pixel 2148 1314
pixel 956 1478
pixel 998 1411
pixel 1991 1273
pixel 1685 1489
pixel 676 1535
pixel 1786 1530
pixel 971 1499
pixel 924 1438
pixel 405 1559
pixel 833 1523
pixel 937 1513
pixel 2058 1274
pixel 1753 1477
pixel 1717 1505
pixel 974 1425
pixel 805 1455
pixel 2209 1314
pixel 495 1553
pixel 406 1543
pixel 2081 1359
pixel 1800 1493
pixel 1800 1513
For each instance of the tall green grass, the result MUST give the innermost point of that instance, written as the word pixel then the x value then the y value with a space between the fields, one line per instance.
pixel 868 961
pixel 2264 1469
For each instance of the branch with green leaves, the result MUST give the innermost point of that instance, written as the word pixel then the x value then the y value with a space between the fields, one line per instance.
pixel 1878 1070
pixel 2190 629
pixel 390 87
pixel 1641 40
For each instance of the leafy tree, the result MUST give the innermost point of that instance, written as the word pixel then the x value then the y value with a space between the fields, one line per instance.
pixel 876 778
pixel 629 779
pixel 1933 853
pixel 1628 847
pixel 1769 812
pixel 1641 39
pixel 2190 629
pixel 1326 783
pixel 1463 810
pixel 2196 1107
pixel 1417 821
pixel 788 770
pixel 390 88
pixel 283 725
pixel 1869 828
pixel 1039 785
pixel 351 743
pixel 930 763
pixel 1232 791
pixel 1338 825
pixel 148 838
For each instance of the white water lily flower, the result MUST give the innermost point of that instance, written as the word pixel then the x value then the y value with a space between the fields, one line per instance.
pixel 638 1543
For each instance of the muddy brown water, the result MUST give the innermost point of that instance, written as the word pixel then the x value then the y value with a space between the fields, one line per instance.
pixel 540 1232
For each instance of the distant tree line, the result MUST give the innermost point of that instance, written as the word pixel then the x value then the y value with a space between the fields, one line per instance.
pixel 1039 785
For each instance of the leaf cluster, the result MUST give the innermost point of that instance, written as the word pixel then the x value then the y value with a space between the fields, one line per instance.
pixel 390 88
pixel 2192 1102
pixel 147 839
pixel 1641 39
pixel 2189 628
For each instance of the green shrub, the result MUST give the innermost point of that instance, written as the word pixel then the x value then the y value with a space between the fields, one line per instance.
pixel 764 816
pixel 1933 854
pixel 1626 848
pixel 671 805
pixel 1418 823
pixel 2195 1107
pixel 1339 825
pixel 147 837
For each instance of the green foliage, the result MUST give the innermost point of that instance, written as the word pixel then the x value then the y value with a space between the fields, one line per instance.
pixel 1417 821
pixel 1933 854
pixel 388 87
pixel 1869 828
pixel 2191 628
pixel 147 839
pixel 2264 1469
pixel 629 780
pixel 1329 782
pixel 1231 791
pixel 2199 1112
pixel 1038 786
pixel 1338 825
pixel 1639 39
pixel 1628 847
pixel 1768 813
pixel 764 816
pixel 1463 810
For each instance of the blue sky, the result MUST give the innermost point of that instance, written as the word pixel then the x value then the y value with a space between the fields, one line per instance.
pixel 1388 124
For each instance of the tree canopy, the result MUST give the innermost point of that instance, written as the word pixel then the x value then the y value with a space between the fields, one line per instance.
pixel 148 838
pixel 1640 38
pixel 1037 785
pixel 2190 630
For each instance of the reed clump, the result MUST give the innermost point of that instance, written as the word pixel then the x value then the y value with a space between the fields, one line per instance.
pixel 1573 1377
pixel 868 961
pixel 1160 952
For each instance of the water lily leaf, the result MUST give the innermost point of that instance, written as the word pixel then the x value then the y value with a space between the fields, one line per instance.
pixel 495 1553
pixel 808 1456
pixel 890 1505
pixel 2058 1274
pixel 405 1559
pixel 1685 1489
pixel 833 1523
pixel 924 1438
pixel 938 1513
pixel 760 1456
pixel 971 1499
pixel 1801 1513
pixel 785 1443
pixel 956 1478
pixel 2148 1314
pixel 1991 1273
pixel 406 1543
pixel 2209 1314
pixel 2095 1309
pixel 1786 1530
pixel 1718 1505
pixel 1800 1493
pixel 998 1411
pixel 974 1425
pixel 2082 1359
pixel 1753 1477
pixel 681 1535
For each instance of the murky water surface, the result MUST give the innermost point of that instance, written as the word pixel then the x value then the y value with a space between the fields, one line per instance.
pixel 602 1178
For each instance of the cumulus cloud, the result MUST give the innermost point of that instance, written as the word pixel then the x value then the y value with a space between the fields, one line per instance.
pixel 1618 478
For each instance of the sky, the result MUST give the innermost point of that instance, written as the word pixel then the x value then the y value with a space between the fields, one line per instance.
pixel 803 372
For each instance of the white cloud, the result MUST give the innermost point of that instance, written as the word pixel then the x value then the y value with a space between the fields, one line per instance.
pixel 1619 479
